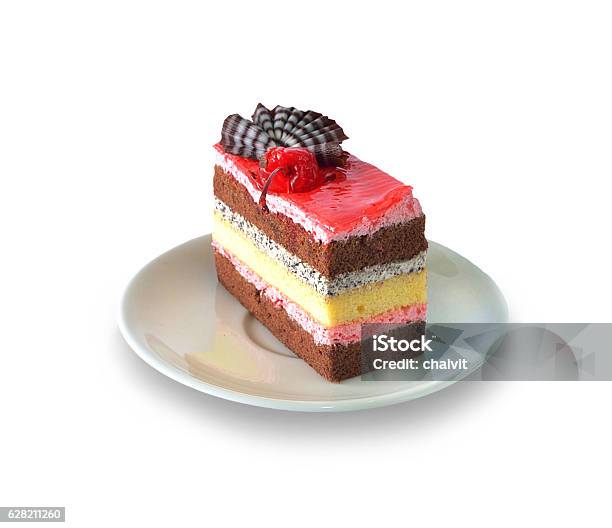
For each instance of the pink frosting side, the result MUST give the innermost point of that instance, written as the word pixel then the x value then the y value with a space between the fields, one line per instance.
pixel 403 211
pixel 349 332
pixel 341 334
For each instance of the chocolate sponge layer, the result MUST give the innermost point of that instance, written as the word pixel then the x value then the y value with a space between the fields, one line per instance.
pixel 393 243
pixel 334 362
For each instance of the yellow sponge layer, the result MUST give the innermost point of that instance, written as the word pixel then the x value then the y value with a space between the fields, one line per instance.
pixel 358 303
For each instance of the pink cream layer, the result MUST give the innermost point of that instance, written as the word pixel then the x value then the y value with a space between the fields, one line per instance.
pixel 341 334
pixel 360 200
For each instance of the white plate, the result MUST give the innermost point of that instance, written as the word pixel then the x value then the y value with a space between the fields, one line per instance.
pixel 178 319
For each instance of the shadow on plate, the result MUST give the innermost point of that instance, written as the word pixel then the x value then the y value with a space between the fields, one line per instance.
pixel 423 412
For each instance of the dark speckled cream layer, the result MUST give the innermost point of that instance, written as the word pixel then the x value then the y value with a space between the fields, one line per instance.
pixel 309 275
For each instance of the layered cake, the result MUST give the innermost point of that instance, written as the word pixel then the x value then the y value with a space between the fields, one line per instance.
pixel 313 241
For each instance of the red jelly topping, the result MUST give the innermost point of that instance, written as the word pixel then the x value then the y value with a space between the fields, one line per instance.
pixel 351 193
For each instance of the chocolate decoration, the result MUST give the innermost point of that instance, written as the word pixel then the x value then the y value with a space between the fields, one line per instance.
pixel 284 127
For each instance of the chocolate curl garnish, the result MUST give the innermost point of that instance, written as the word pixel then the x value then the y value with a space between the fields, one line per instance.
pixel 284 126
pixel 264 191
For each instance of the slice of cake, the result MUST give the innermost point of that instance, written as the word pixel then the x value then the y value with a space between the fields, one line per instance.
pixel 313 241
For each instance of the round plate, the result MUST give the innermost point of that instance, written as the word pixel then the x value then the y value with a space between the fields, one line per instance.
pixel 182 322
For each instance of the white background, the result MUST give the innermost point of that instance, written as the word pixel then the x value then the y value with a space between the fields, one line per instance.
pixel 499 115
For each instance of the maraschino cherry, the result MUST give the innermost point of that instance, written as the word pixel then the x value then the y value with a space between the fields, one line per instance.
pixel 289 170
